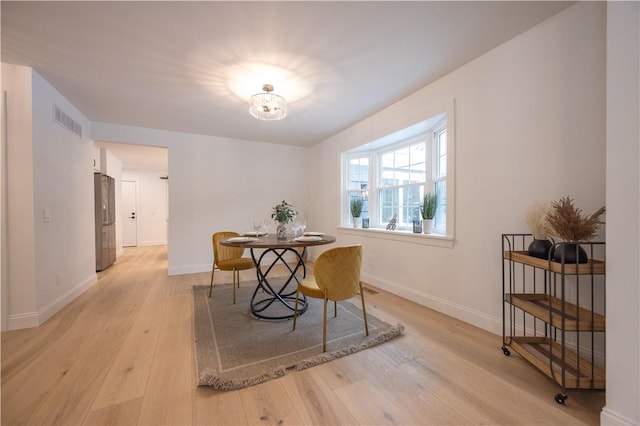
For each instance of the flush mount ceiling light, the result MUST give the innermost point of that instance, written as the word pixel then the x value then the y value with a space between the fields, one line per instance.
pixel 267 105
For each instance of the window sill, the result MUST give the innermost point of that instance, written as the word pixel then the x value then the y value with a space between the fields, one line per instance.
pixel 435 240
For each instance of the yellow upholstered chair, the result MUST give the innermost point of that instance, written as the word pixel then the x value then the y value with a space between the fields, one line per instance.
pixel 336 276
pixel 228 259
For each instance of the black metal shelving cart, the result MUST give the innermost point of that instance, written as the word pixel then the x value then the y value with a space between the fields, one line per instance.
pixel 553 312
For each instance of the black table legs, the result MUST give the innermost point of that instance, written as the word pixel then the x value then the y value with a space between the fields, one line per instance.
pixel 282 294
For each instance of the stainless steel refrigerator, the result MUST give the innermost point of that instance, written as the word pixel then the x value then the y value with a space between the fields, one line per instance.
pixel 105 208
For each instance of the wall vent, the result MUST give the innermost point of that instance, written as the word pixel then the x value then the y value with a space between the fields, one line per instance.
pixel 61 117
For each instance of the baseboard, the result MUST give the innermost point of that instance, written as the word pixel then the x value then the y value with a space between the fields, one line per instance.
pixel 611 418
pixel 20 321
pixel 35 319
pixel 189 269
pixel 152 243
pixel 52 308
pixel 463 313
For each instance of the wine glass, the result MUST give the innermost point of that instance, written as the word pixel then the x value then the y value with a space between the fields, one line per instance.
pixel 264 227
pixel 257 226
pixel 303 225
pixel 295 226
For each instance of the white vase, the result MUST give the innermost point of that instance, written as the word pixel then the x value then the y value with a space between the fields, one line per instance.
pixel 356 222
pixel 427 226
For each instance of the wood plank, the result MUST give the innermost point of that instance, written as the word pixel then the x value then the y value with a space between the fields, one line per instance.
pixel 171 378
pixel 593 266
pixel 314 400
pixel 127 378
pixel 268 404
pixel 549 309
pixel 536 351
pixel 369 406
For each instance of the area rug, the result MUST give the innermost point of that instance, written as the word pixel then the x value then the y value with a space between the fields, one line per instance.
pixel 234 350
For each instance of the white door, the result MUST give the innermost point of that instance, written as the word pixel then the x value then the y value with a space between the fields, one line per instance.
pixel 130 213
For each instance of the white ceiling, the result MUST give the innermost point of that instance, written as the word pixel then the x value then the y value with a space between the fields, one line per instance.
pixel 177 65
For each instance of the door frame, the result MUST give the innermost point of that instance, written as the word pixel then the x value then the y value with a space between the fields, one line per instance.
pixel 125 213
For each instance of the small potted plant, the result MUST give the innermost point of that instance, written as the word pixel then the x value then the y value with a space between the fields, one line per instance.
pixel 283 213
pixel 568 223
pixel 428 210
pixel 356 210
pixel 540 229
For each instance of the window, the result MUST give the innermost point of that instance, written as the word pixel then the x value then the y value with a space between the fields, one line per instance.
pixel 401 182
pixel 392 175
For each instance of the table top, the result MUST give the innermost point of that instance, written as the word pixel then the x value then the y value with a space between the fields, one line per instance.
pixel 271 241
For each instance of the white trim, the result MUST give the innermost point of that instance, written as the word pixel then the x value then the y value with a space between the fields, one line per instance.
pixel 35 319
pixel 404 236
pixel 463 313
pixel 152 243
pixel 20 321
pixel 189 269
pixel 56 305
pixel 611 418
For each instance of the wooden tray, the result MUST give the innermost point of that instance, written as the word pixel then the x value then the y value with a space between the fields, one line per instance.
pixel 549 309
pixel 595 267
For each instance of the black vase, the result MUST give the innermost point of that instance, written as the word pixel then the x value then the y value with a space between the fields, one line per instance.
pixel 540 248
pixel 566 252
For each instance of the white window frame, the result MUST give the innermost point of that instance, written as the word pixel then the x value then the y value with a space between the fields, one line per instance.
pixel 443 237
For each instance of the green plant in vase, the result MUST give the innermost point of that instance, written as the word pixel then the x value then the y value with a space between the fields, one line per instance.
pixel 428 210
pixel 356 209
pixel 283 213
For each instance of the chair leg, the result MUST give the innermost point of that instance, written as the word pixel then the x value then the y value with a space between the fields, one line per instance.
pixel 236 278
pixel 324 324
pixel 295 310
pixel 364 311
pixel 335 308
pixel 211 285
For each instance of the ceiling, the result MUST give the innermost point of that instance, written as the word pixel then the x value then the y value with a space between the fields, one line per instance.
pixel 191 66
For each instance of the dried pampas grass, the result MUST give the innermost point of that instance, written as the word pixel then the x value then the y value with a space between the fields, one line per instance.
pixel 570 224
pixel 537 220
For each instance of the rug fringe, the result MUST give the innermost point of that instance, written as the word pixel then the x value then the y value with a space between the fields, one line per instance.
pixel 228 384
pixel 329 356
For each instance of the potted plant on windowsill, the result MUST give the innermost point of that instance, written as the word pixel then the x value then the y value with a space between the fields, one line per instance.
pixel 428 210
pixel 356 210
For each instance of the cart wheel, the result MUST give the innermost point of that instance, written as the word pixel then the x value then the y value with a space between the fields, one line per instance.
pixel 560 398
pixel 506 351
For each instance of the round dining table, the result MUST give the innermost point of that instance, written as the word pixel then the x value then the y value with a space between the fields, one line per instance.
pixel 274 297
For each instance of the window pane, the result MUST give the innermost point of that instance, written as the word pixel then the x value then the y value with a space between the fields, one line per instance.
pixel 411 201
pixel 358 173
pixel 387 168
pixel 442 154
pixel 388 204
pixel 418 164
pixel 440 220
pixel 402 158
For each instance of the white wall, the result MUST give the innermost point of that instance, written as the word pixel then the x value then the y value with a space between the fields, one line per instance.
pixel 623 215
pixel 19 257
pixel 49 169
pixel 530 126
pixel 217 184
pixel 152 206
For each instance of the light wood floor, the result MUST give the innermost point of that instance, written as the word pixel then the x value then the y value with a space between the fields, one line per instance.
pixel 122 353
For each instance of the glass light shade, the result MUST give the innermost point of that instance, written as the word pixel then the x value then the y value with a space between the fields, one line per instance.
pixel 268 106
